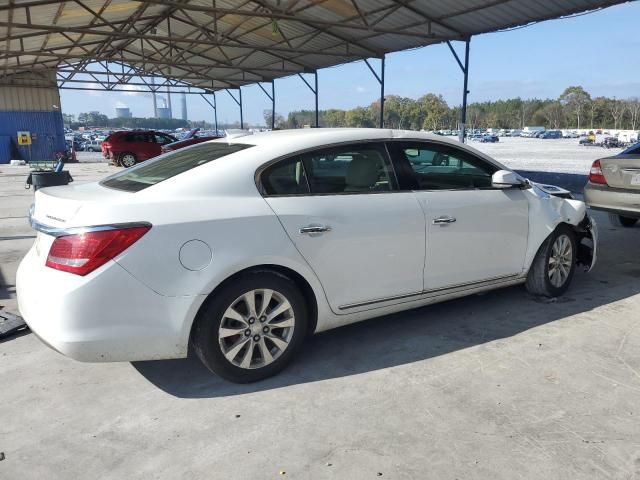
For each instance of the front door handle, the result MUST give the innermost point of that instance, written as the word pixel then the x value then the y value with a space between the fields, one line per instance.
pixel 315 229
pixel 443 220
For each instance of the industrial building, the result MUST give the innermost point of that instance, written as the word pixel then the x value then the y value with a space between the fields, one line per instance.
pixel 31 125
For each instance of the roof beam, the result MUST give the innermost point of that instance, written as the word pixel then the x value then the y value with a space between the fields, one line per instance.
pixel 309 21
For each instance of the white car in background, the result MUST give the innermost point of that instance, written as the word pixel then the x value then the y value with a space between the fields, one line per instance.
pixel 243 246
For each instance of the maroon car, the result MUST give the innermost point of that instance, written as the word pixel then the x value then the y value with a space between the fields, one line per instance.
pixel 191 138
pixel 127 148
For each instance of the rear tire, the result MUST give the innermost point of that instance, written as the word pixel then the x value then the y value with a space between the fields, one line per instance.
pixel 127 160
pixel 237 336
pixel 554 264
pixel 622 221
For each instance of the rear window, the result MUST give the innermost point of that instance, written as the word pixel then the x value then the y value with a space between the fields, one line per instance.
pixel 169 165
pixel 632 150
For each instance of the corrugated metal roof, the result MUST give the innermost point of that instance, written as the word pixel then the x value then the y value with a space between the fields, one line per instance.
pixel 29 96
pixel 229 43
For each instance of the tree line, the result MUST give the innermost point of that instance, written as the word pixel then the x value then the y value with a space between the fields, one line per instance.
pixel 97 119
pixel 574 108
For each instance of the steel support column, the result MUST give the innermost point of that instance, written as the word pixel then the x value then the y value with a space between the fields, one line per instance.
pixel 465 71
pixel 215 108
pixel 315 92
pixel 380 79
pixel 238 102
pixel 271 97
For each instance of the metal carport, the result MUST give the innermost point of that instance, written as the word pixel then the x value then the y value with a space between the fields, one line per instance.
pixel 204 46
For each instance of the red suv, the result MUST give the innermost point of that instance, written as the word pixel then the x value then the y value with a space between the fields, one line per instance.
pixel 129 147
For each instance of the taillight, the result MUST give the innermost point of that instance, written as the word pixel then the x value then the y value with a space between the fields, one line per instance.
pixel 596 175
pixel 82 253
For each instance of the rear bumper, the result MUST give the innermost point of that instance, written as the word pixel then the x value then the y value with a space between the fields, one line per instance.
pixel 615 200
pixel 106 316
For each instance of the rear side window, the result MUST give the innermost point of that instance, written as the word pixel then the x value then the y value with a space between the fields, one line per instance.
pixel 363 168
pixel 169 165
pixel 285 178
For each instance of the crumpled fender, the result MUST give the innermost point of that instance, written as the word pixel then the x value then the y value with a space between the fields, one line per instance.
pixel 547 211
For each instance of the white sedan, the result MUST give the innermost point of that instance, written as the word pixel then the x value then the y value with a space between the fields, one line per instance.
pixel 243 246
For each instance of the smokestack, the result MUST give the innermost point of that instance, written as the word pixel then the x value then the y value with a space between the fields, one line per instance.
pixel 155 102
pixel 169 102
pixel 183 102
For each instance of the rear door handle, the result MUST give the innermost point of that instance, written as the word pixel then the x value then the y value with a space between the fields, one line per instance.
pixel 443 220
pixel 315 229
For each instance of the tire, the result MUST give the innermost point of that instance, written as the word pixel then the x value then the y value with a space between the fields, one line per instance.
pixel 127 160
pixel 245 353
pixel 544 280
pixel 622 221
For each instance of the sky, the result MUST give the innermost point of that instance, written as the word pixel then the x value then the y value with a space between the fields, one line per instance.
pixel 599 51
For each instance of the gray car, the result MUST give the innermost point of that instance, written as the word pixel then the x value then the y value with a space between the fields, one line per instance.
pixel 614 186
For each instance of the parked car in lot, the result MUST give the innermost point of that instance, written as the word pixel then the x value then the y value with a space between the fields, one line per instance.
pixel 126 148
pixel 551 134
pixel 489 138
pixel 92 146
pixel 614 186
pixel 191 138
pixel 242 246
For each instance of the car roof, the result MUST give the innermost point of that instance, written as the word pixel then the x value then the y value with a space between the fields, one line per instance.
pixel 318 137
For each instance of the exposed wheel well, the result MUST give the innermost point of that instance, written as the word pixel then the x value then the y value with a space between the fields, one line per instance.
pixel 298 279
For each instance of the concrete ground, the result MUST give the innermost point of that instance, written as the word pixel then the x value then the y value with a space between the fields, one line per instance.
pixel 495 386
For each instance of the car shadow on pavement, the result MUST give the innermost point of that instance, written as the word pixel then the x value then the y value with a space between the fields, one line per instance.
pixel 408 337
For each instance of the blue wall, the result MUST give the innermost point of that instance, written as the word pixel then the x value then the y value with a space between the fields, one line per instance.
pixel 47 132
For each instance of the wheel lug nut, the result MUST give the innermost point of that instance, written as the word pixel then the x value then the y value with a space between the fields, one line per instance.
pixel 251 320
pixel 247 332
pixel 263 318
pixel 265 329
pixel 256 338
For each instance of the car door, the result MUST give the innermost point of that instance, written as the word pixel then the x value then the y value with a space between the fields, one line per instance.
pixel 343 211
pixel 473 232
pixel 160 140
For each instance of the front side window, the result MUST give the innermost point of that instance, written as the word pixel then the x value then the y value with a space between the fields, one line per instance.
pixel 169 165
pixel 162 139
pixel 363 168
pixel 441 167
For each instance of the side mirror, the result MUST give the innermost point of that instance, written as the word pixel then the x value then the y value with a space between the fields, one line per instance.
pixel 505 179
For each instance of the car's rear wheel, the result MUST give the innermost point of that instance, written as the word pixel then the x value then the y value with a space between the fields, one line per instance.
pixel 554 264
pixel 622 221
pixel 127 160
pixel 251 328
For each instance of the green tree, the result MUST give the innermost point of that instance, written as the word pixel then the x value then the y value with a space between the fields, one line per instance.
pixel 359 117
pixel 435 109
pixel 575 99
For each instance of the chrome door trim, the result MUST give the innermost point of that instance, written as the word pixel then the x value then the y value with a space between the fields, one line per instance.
pixel 61 231
pixel 436 292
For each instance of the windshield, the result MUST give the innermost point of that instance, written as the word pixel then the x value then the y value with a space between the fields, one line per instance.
pixel 169 165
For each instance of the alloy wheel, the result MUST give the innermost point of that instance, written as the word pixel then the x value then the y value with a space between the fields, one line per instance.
pixel 560 261
pixel 128 160
pixel 256 328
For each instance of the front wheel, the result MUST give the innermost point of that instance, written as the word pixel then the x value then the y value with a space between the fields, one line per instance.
pixel 554 264
pixel 622 221
pixel 252 327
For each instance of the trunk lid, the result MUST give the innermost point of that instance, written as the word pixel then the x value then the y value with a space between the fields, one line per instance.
pixel 622 171
pixel 59 207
